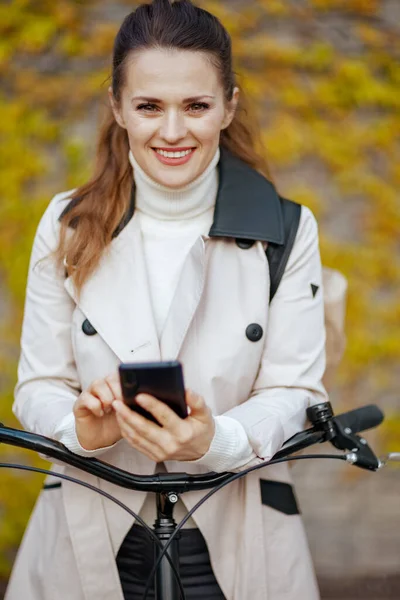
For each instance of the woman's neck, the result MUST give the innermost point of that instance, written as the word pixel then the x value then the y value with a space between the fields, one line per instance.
pixel 165 203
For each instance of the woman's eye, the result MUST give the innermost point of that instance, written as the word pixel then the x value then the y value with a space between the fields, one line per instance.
pixel 196 107
pixel 147 107
pixel 199 106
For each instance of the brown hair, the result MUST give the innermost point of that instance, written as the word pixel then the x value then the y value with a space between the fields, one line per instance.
pixel 98 206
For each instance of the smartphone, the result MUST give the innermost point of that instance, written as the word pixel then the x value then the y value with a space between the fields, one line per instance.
pixel 163 380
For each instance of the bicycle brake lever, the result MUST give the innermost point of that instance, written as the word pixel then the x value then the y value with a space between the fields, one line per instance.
pixel 360 453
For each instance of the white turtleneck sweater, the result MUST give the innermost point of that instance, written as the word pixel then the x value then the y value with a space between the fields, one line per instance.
pixel 171 220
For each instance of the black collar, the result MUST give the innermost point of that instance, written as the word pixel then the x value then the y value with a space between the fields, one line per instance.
pixel 247 205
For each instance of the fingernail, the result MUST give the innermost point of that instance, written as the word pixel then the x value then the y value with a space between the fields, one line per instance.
pixel 141 399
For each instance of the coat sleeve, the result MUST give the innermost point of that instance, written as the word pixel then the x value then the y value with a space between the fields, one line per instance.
pixel 293 363
pixel 48 383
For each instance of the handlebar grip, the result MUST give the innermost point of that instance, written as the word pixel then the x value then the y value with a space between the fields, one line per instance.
pixel 361 419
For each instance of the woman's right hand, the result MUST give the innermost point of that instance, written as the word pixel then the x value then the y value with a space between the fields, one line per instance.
pixel 96 423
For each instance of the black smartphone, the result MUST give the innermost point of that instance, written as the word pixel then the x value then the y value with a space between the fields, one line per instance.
pixel 163 380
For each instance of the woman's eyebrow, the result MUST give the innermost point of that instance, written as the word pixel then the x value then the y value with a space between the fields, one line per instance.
pixel 157 100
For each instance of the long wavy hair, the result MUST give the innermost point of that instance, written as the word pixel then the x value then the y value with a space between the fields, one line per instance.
pixel 98 206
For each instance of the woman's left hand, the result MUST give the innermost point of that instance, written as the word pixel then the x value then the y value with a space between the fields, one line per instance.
pixel 175 438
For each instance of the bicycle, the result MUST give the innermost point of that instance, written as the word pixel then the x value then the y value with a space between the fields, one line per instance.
pixel 341 430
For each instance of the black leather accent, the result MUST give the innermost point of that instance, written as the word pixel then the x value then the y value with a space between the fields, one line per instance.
pixel 51 486
pixel 279 495
pixel 71 204
pixel 247 203
pixel 125 220
pixel 277 254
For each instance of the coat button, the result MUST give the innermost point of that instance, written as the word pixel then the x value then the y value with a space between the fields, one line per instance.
pixel 244 244
pixel 254 332
pixel 88 328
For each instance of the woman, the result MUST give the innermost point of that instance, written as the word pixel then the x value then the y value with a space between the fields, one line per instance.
pixel 146 262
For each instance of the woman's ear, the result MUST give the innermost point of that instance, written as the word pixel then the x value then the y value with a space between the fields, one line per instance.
pixel 115 109
pixel 230 109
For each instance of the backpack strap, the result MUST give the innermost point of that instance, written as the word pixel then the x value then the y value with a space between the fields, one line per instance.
pixel 278 254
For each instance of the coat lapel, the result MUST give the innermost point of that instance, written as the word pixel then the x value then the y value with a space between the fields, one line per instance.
pixel 116 299
pixel 185 301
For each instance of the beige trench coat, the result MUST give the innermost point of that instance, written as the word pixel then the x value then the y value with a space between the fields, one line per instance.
pixel 257 552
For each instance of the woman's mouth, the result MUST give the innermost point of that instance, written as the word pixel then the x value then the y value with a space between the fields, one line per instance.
pixel 174 156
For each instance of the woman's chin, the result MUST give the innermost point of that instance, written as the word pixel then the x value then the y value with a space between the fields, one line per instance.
pixel 173 177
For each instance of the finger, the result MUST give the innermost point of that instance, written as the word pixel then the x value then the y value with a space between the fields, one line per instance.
pixel 143 426
pixel 197 405
pixel 87 403
pixel 103 392
pixel 114 386
pixel 160 438
pixel 161 411
pixel 126 413
pixel 114 382
pixel 101 389
pixel 133 437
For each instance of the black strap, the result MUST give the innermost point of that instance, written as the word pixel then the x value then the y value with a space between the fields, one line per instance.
pixel 52 486
pixel 278 254
pixel 279 495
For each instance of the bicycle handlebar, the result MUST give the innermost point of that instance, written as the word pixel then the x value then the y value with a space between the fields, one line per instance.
pixel 340 430
pixel 143 483
pixel 361 419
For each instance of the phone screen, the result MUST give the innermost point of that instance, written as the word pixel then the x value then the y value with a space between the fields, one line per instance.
pixel 163 380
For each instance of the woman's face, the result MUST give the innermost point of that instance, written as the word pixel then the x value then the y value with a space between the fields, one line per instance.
pixel 173 102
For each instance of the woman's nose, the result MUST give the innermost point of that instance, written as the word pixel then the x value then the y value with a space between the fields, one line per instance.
pixel 173 127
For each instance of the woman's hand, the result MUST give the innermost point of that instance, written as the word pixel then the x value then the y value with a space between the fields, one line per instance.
pixel 95 419
pixel 174 438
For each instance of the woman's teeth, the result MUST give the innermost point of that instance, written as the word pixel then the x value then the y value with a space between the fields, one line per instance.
pixel 173 154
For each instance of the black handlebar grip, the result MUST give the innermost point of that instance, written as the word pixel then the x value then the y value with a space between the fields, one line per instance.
pixel 361 419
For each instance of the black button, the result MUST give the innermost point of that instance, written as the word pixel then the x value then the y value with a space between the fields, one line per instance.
pixel 244 244
pixel 88 328
pixel 254 332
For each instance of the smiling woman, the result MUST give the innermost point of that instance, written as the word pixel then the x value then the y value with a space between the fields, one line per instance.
pixel 173 89
pixel 173 107
pixel 161 256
